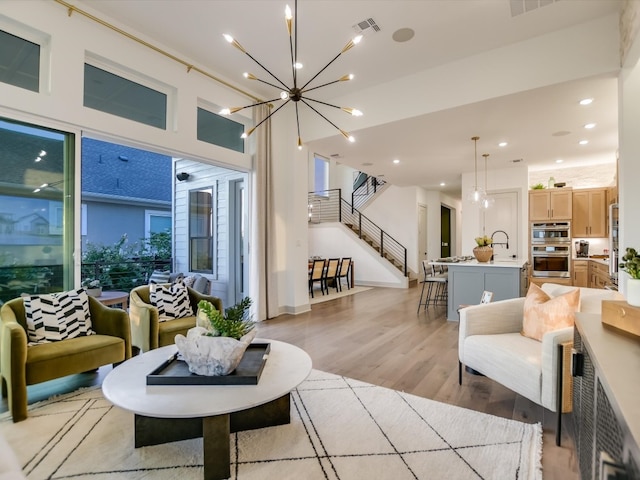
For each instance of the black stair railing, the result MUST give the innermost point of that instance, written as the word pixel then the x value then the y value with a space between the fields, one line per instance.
pixel 329 206
pixel 364 188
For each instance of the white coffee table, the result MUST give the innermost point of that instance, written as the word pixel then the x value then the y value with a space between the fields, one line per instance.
pixel 168 413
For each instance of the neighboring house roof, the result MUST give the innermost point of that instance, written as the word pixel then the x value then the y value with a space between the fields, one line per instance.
pixel 112 169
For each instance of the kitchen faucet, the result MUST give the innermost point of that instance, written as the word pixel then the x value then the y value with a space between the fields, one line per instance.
pixel 504 244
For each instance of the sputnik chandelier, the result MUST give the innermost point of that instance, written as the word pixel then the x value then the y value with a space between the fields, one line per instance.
pixel 295 93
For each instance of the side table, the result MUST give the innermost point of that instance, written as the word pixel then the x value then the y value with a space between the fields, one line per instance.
pixel 114 297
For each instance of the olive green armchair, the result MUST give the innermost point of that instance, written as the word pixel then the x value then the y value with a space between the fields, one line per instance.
pixel 148 332
pixel 22 364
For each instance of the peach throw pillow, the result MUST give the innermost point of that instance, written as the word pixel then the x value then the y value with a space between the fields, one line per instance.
pixel 544 314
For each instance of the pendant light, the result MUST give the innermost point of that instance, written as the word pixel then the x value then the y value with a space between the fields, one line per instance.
pixel 477 195
pixel 487 201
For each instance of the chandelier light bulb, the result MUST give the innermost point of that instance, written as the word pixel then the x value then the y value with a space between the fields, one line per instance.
pixel 297 65
pixel 228 37
pixel 225 111
pixel 249 76
pixel 299 143
pixel 357 39
pixel 284 95
pixel 287 13
pixel 244 135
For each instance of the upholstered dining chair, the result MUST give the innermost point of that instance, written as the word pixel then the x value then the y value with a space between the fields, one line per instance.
pixel 330 274
pixel 22 363
pixel 343 272
pixel 316 274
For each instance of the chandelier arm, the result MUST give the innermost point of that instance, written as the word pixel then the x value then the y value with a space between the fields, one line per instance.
pixel 307 104
pixel 267 70
pixel 322 70
pixel 320 86
pixel 298 121
pixel 259 103
pixel 270 115
pixel 323 103
pixel 294 51
pixel 270 84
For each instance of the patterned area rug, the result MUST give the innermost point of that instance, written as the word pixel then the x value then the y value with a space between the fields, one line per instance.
pixel 341 429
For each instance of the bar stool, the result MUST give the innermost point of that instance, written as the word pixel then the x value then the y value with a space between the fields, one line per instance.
pixel 436 283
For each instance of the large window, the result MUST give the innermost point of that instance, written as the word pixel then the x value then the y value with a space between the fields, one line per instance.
pixel 19 62
pixel 201 230
pixel 321 174
pixel 36 210
pixel 220 131
pixel 113 94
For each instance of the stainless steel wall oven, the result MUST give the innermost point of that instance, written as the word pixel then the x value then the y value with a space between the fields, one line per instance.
pixel 551 249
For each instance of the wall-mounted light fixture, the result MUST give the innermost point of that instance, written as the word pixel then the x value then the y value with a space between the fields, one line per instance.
pixel 182 176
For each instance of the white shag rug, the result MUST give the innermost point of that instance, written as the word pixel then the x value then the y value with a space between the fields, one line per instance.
pixel 341 429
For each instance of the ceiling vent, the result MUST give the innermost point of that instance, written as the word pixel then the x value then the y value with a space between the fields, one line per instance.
pixel 517 160
pixel 518 7
pixel 366 27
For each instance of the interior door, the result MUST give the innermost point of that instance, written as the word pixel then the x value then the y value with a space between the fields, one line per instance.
pixel 501 221
pixel 422 234
pixel 445 231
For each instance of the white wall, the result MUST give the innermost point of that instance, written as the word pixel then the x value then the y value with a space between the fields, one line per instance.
pixel 333 240
pixel 510 179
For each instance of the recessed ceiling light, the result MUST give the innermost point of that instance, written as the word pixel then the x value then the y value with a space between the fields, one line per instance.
pixel 589 126
pixel 586 101
pixel 583 142
pixel 559 160
pixel 560 133
pixel 503 144
pixel 442 184
pixel 396 161
pixel 367 164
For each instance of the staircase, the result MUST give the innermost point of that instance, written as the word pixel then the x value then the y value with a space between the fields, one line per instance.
pixel 329 206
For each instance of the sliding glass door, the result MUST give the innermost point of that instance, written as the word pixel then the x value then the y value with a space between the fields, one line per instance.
pixel 36 210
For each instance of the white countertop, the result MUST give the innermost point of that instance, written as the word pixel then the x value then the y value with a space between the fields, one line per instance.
pixel 603 261
pixel 506 262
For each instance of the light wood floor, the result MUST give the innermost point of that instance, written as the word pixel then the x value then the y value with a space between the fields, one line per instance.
pixel 377 337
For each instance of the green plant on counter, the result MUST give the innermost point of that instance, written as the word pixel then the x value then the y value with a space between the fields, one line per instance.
pixel 233 323
pixel 537 186
pixel 631 263
pixel 484 241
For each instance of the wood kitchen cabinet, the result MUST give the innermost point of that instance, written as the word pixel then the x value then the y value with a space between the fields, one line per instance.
pixel 581 273
pixel 589 218
pixel 551 204
pixel 599 275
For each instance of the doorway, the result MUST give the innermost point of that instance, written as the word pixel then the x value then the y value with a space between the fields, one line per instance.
pixel 423 240
pixel 238 274
pixel 445 231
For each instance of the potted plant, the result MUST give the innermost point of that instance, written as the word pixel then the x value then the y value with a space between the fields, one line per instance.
pixel 216 344
pixel 483 251
pixel 92 286
pixel 631 264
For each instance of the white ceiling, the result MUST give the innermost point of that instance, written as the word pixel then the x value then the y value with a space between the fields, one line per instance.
pixel 431 148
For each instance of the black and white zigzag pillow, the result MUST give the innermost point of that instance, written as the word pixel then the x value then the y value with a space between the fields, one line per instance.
pixel 57 316
pixel 172 301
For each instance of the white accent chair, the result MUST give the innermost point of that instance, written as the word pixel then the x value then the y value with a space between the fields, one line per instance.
pixel 490 343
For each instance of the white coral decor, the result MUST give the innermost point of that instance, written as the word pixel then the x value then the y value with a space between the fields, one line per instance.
pixel 211 356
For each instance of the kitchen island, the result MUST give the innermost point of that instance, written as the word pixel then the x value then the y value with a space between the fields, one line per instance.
pixel 506 278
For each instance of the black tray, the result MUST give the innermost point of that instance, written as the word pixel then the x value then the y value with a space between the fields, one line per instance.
pixel 176 372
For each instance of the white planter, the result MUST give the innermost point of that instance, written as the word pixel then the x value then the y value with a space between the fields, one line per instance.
pixel 94 292
pixel 633 292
